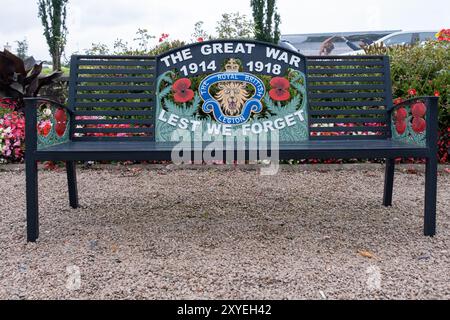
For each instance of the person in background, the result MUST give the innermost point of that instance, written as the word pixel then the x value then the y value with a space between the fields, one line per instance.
pixel 327 47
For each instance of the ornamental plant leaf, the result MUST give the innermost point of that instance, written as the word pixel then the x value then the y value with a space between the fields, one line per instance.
pixel 29 64
pixel 19 79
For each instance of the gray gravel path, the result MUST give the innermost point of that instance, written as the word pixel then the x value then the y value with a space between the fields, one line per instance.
pixel 231 234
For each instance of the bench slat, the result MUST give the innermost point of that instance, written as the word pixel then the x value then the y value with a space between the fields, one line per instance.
pixel 346 87
pixel 335 62
pixel 351 137
pixel 96 104
pixel 346 71
pixel 114 96
pixel 115 71
pixel 114 79
pixel 113 130
pixel 114 139
pixel 137 63
pixel 348 129
pixel 132 88
pixel 350 95
pixel 346 112
pixel 109 113
pixel 114 121
pixel 345 79
pixel 348 120
pixel 362 103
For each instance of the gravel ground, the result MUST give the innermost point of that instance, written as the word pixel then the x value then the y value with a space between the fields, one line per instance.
pixel 224 234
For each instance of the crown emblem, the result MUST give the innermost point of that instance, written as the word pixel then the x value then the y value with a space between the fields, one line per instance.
pixel 232 66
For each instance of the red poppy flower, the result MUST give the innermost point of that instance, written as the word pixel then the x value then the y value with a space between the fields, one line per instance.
pixel 182 90
pixel 280 89
pixel 418 110
pixel 412 92
pixel 200 39
pixel 61 122
pixel 437 94
pixel 419 125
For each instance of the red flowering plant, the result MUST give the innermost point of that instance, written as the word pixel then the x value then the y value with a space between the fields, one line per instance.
pixel 443 35
pixel 12 136
pixel 163 37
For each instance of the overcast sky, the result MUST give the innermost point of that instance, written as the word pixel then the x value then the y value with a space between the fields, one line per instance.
pixel 93 21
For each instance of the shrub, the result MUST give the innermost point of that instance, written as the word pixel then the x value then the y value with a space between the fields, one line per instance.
pixel 423 70
pixel 12 136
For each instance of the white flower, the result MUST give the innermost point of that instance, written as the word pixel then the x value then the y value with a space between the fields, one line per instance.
pixel 47 112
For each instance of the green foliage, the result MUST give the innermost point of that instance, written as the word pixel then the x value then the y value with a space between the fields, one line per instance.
pixel 53 17
pixel 235 26
pixel 22 49
pixel 266 20
pixel 143 38
pixel 200 33
pixel 426 69
pixel 166 46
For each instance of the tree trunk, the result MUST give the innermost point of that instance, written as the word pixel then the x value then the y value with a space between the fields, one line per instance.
pixel 56 62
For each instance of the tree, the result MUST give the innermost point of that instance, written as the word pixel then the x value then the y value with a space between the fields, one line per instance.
pixel 200 34
pixel 53 16
pixel 22 49
pixel 235 26
pixel 267 20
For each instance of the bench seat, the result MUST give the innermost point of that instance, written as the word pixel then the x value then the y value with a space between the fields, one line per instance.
pixel 140 150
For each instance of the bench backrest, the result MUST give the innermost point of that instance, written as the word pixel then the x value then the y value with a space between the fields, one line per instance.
pixel 152 98
pixel 348 97
pixel 112 97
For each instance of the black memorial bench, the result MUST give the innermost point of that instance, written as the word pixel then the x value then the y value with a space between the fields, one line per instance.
pixel 129 107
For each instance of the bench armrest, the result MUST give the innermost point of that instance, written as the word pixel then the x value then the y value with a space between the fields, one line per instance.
pixel 47 123
pixel 415 121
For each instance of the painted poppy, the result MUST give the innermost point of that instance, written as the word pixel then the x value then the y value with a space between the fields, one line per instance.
pixel 61 122
pixel 400 120
pixel 280 89
pixel 44 128
pixel 182 90
pixel 400 126
pixel 401 114
pixel 419 125
pixel 418 110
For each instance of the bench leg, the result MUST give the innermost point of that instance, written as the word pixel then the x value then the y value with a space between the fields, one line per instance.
pixel 31 172
pixel 72 183
pixel 430 197
pixel 388 182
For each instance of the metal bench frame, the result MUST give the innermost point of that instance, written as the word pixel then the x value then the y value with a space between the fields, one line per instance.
pixel 325 76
